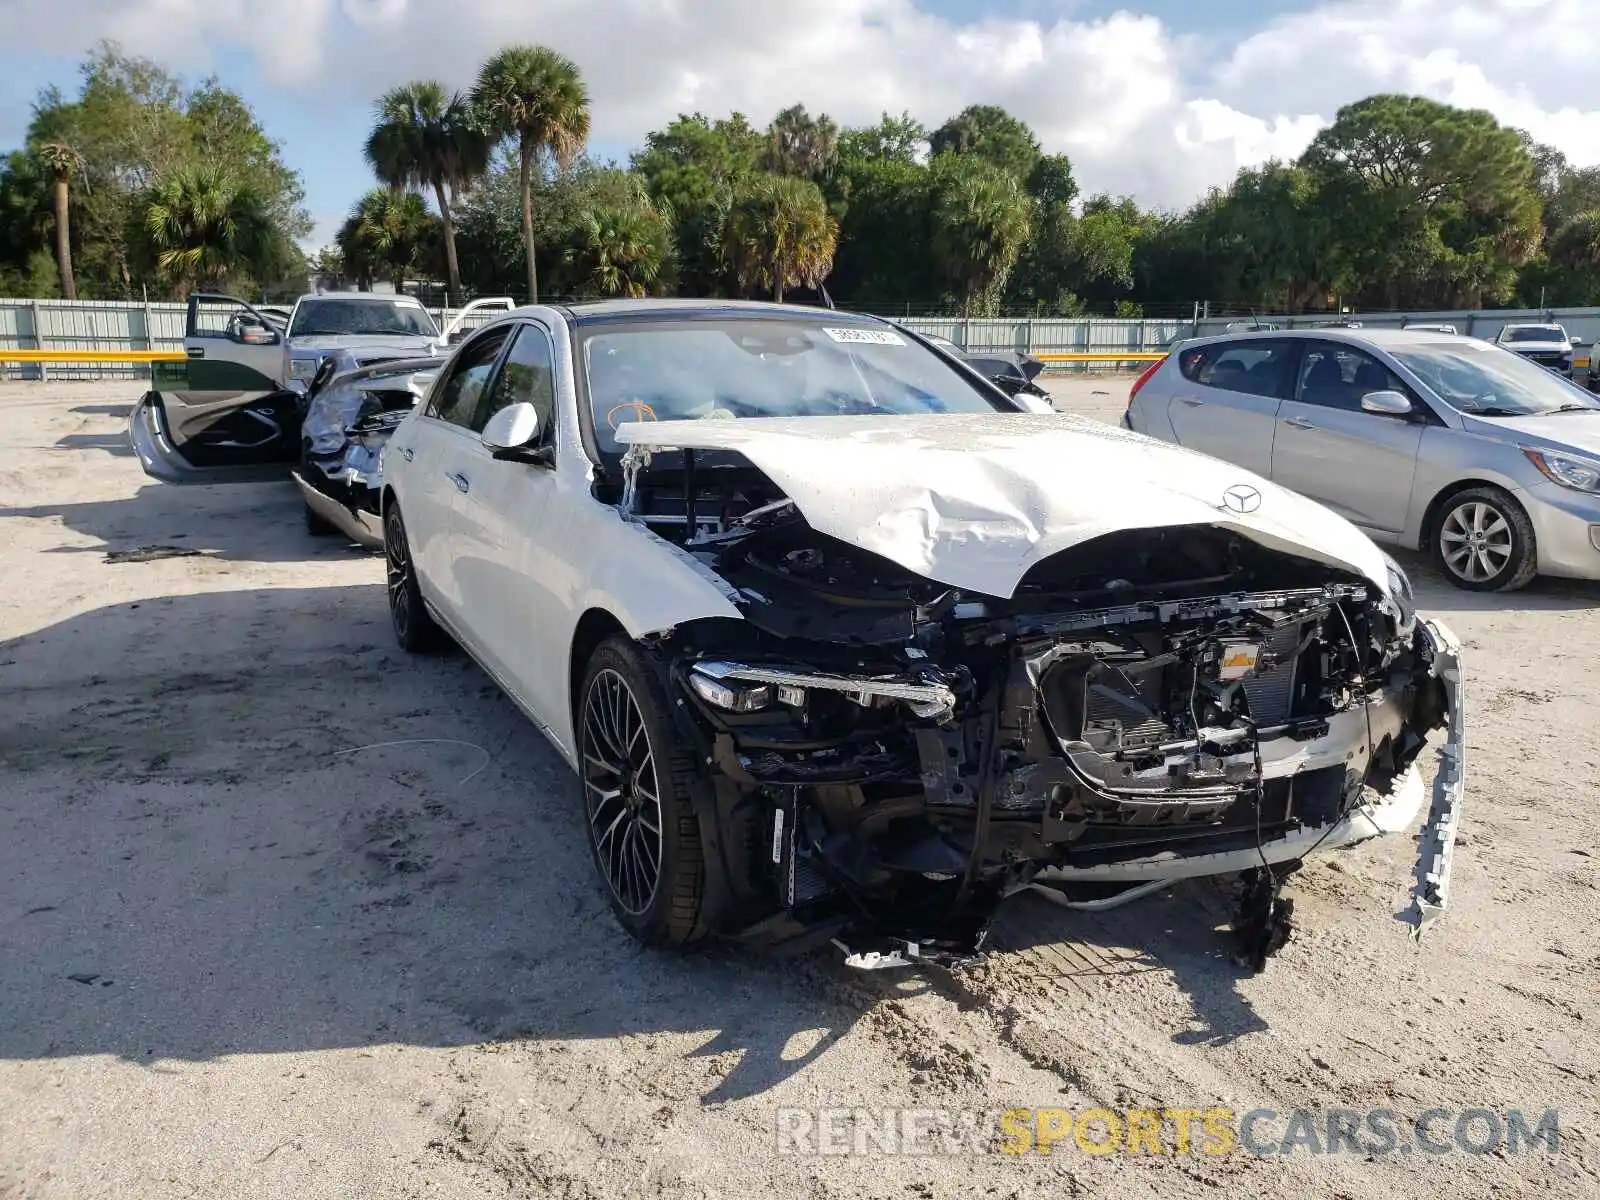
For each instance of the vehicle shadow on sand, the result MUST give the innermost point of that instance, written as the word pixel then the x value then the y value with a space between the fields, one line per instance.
pixel 238 522
pixel 243 822
pixel 1179 937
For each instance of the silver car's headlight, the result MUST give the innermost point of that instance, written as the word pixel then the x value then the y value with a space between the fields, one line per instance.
pixel 1579 474
pixel 303 368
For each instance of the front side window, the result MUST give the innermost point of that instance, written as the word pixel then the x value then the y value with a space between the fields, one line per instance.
pixel 378 317
pixel 1487 381
pixel 461 393
pixel 527 377
pixel 733 367
pixel 1334 376
pixel 1256 368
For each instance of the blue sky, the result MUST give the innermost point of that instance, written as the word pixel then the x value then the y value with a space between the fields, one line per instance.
pixel 1157 98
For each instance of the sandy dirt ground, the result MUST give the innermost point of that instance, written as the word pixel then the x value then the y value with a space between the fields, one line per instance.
pixel 251 947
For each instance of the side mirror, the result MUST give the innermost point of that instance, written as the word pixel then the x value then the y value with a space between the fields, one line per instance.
pixel 1034 404
pixel 258 337
pixel 457 337
pixel 513 430
pixel 1387 404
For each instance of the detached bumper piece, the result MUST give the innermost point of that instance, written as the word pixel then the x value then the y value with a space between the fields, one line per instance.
pixel 1437 845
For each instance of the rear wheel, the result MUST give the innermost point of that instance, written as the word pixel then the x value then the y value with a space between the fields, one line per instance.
pixel 1484 542
pixel 638 812
pixel 414 629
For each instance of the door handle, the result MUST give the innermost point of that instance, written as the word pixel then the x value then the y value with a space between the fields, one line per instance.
pixel 195 351
pixel 1192 402
pixel 1297 423
pixel 405 452
pixel 463 484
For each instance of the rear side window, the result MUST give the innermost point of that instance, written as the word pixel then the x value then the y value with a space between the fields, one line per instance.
pixel 1256 368
pixel 1338 376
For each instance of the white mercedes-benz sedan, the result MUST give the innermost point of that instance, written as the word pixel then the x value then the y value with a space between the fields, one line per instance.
pixel 842 645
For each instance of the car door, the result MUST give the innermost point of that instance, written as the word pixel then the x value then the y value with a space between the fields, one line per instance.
pixel 508 578
pixel 222 413
pixel 437 447
pixel 1359 464
pixel 1225 397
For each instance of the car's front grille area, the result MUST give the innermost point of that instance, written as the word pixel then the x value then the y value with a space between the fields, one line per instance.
pixel 1271 694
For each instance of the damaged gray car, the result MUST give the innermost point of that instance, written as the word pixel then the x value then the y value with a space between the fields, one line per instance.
pixel 844 647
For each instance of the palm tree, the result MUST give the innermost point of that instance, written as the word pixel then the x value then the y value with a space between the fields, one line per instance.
pixel 202 225
pixel 800 144
pixel 624 250
pixel 385 230
pixel 536 97
pixel 778 232
pixel 982 218
pixel 62 161
pixel 426 137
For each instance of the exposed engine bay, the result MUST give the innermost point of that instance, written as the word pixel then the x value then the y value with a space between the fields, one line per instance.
pixel 891 756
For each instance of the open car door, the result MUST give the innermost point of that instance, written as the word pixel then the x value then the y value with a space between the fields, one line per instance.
pixel 223 413
pixel 455 332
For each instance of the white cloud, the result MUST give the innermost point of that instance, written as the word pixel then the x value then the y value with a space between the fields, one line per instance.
pixel 1139 109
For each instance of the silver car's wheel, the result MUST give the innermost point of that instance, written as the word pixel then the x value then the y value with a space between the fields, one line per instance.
pixel 1483 541
pixel 622 792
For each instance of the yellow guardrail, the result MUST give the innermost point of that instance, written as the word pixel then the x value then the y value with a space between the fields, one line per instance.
pixel 92 356
pixel 1122 356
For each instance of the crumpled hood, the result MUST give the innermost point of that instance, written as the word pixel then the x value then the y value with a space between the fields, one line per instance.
pixel 976 501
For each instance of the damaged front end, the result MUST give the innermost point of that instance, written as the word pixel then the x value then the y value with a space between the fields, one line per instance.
pixel 352 409
pixel 889 757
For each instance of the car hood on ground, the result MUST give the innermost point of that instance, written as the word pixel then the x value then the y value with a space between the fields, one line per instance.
pixel 387 343
pixel 1578 432
pixel 976 501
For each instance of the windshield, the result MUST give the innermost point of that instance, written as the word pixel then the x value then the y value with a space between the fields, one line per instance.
pixel 730 368
pixel 1536 333
pixel 1487 381
pixel 341 318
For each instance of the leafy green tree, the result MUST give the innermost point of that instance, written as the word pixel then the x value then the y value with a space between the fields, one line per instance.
pixel 779 232
pixel 902 139
pixel 427 137
pixel 1050 180
pixel 690 170
pixel 1428 204
pixel 133 124
pixel 882 258
pixel 537 98
pixel 982 218
pixel 202 226
pixel 989 133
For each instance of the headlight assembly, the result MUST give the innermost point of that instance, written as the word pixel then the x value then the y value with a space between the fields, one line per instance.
pixel 1579 474
pixel 303 368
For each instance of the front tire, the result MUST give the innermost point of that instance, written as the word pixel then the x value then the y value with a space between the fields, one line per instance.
pixel 1483 541
pixel 414 628
pixel 637 784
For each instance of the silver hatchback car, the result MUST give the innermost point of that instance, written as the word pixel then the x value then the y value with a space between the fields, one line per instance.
pixel 1432 442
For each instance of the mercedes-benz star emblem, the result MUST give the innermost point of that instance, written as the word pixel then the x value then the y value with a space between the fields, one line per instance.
pixel 1241 498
